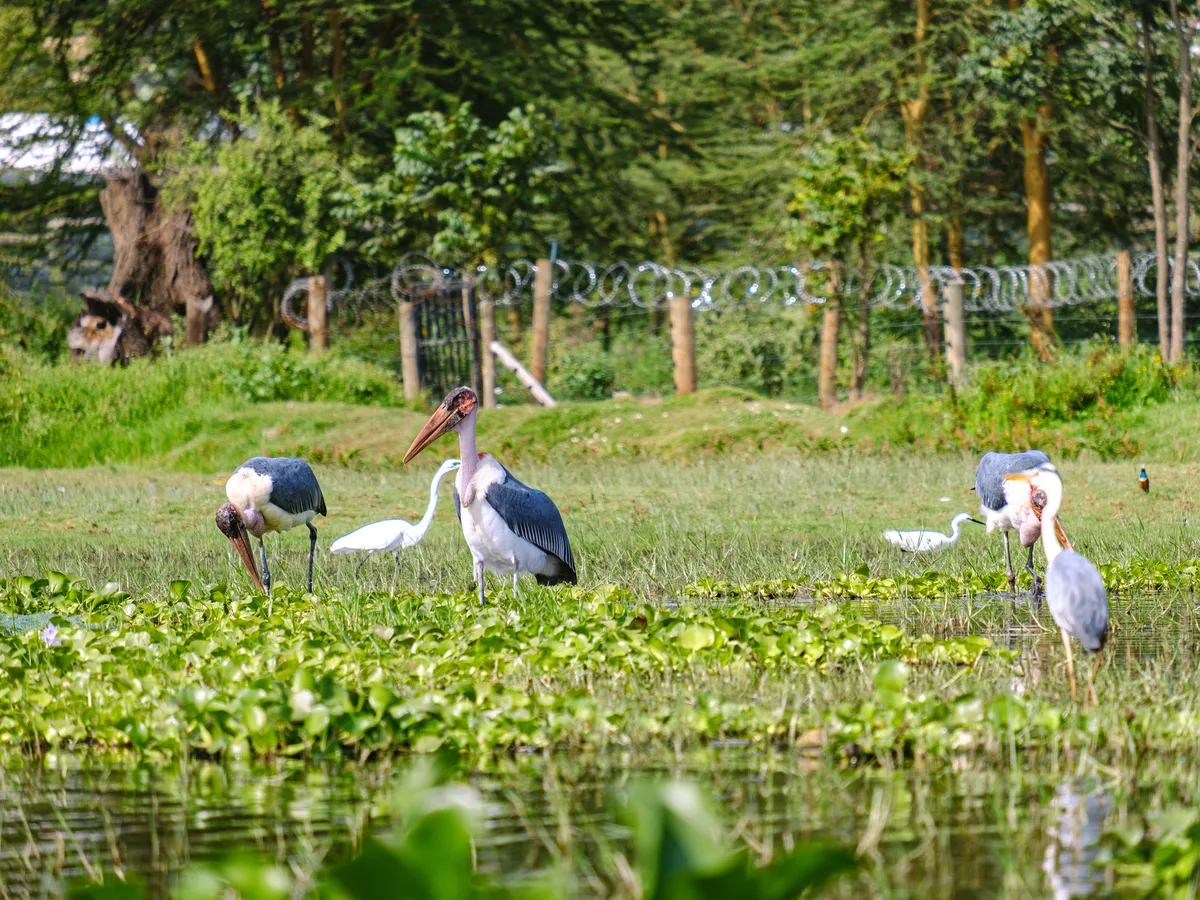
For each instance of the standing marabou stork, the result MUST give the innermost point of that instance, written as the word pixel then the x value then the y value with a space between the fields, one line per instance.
pixel 270 494
pixel 1075 590
pixel 1010 513
pixel 509 526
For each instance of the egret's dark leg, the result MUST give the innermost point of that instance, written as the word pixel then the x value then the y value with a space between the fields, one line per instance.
pixel 1008 569
pixel 363 563
pixel 312 551
pixel 1035 592
pixel 266 579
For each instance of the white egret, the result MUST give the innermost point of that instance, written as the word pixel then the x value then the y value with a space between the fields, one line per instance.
pixel 925 541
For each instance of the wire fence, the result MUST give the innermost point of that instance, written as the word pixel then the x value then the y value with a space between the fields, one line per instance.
pixel 757 327
pixel 651 285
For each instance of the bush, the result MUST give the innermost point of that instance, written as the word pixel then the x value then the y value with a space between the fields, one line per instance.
pixel 585 374
pixel 766 353
pixel 36 325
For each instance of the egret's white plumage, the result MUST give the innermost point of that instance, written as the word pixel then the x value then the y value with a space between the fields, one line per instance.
pixel 395 534
pixel 925 541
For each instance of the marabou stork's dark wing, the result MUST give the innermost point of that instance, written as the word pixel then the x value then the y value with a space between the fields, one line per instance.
pixel 294 487
pixel 533 516
pixel 989 477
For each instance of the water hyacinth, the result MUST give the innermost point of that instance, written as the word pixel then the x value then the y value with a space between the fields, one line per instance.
pixel 49 636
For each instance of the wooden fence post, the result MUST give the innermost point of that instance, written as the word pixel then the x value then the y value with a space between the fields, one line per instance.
pixel 827 374
pixel 197 319
pixel 318 327
pixel 683 343
pixel 543 281
pixel 956 332
pixel 487 334
pixel 1126 321
pixel 410 369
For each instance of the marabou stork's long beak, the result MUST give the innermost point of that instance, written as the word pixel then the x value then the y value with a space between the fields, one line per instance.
pixel 459 404
pixel 1038 502
pixel 229 521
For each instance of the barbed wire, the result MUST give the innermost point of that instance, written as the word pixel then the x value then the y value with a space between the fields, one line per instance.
pixel 651 285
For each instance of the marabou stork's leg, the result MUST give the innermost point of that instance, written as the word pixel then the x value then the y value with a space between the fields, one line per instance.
pixel 1095 672
pixel 516 572
pixel 479 580
pixel 312 551
pixel 1008 569
pixel 364 562
pixel 1035 593
pixel 266 579
pixel 1070 661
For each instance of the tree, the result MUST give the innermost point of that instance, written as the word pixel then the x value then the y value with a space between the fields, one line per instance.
pixel 846 194
pixel 263 206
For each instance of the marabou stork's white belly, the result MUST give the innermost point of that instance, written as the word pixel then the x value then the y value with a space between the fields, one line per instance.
pixel 1009 518
pixel 493 542
pixel 490 539
pixel 247 489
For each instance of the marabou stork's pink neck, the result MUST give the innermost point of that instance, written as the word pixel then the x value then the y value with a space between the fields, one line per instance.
pixel 469 458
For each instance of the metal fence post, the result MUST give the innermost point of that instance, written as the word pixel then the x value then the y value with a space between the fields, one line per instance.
pixel 543 281
pixel 410 369
pixel 956 332
pixel 683 343
pixel 318 326
pixel 487 328
pixel 1126 321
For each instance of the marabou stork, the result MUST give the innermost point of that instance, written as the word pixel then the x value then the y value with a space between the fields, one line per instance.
pixel 1015 515
pixel 270 494
pixel 508 526
pixel 1075 590
pixel 393 534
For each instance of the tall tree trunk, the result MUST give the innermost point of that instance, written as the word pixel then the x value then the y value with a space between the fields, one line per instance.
pixel 862 355
pixel 1157 193
pixel 1037 198
pixel 306 44
pixel 336 68
pixel 915 111
pixel 831 325
pixel 1184 33
pixel 954 241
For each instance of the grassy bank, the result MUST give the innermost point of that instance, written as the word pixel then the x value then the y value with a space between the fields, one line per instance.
pixel 209 409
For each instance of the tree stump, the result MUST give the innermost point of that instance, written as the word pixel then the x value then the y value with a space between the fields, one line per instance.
pixel 111 330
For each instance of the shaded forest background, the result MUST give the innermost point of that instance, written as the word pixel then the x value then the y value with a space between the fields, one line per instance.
pixel 259 138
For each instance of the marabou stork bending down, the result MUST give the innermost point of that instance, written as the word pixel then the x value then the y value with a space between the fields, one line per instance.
pixel 1075 590
pixel 509 527
pixel 1018 515
pixel 270 494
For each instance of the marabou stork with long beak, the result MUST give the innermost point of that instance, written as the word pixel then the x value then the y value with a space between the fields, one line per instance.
pixel 270 494
pixel 509 527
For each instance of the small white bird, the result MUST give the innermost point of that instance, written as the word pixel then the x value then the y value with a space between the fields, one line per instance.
pixel 924 541
pixel 393 534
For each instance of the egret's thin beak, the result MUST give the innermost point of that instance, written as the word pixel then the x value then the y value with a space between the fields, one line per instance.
pixel 241 543
pixel 439 423
pixel 976 521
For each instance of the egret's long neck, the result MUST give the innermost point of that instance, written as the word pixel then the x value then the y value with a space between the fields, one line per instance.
pixel 955 525
pixel 468 456
pixel 426 519
pixel 1050 542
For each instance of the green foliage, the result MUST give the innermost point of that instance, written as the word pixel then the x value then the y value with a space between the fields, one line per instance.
pixel 262 205
pixel 756 351
pixel 1159 857
pixel 36 325
pixel 847 190
pixel 586 374
pixel 457 187
pixel 1083 400
pixel 79 415
pixel 231 678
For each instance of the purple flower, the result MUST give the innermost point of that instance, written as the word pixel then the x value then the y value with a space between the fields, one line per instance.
pixel 50 636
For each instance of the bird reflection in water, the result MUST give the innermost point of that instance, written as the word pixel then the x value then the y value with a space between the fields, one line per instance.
pixel 1069 863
